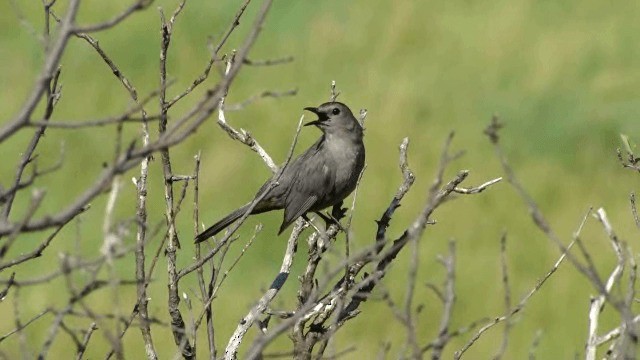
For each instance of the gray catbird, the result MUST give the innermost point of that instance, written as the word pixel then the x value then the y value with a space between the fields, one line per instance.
pixel 322 176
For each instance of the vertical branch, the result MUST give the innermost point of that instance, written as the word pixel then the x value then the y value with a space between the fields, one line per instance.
pixel 177 322
pixel 231 352
pixel 629 340
pixel 200 271
pixel 633 273
pixel 337 212
pixel 534 345
pixel 448 298
pixel 53 94
pixel 634 209
pixel 412 339
pixel 507 296
pixel 141 235
pixel 19 326
pixel 93 327
pixel 334 93
pixel 112 241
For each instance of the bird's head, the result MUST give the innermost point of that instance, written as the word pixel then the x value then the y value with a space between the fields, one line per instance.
pixel 334 117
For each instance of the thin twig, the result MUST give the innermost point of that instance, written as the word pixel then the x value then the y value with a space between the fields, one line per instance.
pixel 85 342
pixel 448 298
pixel 242 136
pixel 247 321
pixel 136 6
pixel 507 296
pixel 523 302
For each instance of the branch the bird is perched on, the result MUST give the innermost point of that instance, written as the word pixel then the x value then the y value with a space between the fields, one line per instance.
pixel 322 176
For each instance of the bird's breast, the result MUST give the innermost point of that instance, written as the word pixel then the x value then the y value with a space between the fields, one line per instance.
pixel 347 162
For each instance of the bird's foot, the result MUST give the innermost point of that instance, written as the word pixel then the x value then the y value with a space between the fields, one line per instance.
pixel 338 212
pixel 331 219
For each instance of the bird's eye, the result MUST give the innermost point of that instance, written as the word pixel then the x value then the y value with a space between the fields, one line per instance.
pixel 335 111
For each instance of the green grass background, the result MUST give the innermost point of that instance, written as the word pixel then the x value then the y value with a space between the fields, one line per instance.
pixel 564 76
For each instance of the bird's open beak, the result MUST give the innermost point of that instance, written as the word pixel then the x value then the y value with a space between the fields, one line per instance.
pixel 315 111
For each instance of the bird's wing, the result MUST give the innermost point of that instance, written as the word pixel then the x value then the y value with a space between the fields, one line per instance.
pixel 297 208
pixel 311 180
pixel 300 197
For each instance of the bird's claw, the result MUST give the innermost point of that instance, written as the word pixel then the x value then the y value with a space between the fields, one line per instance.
pixel 338 212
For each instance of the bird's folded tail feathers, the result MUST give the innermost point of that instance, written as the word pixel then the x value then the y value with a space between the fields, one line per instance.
pixel 221 225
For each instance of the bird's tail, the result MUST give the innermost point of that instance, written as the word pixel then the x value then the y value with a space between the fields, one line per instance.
pixel 222 224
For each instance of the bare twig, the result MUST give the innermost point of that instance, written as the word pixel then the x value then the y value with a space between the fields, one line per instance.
pixel 93 327
pixel 269 62
pixel 630 336
pixel 265 94
pixel 138 5
pixel 183 128
pixel 231 350
pixel 478 189
pixel 45 95
pixel 24 325
pixel 53 92
pixel 634 210
pixel 538 218
pixel 523 302
pixel 214 55
pixel 507 296
pixel 141 238
pixel 334 93
pixel 629 161
pixel 211 295
pixel 448 299
pixel 534 345
pixel 200 273
pixel 242 136
pixel 51 65
pixel 177 322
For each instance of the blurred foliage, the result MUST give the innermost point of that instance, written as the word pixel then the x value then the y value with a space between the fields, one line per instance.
pixel 564 76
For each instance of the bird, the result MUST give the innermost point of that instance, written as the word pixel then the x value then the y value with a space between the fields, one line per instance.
pixel 322 176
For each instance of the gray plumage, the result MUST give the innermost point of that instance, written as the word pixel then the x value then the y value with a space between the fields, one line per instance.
pixel 322 176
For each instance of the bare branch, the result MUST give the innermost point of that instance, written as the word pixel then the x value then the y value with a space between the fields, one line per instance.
pixel 334 94
pixel 262 95
pixel 449 299
pixel 243 136
pixel 24 325
pixel 477 189
pixel 269 62
pixel 523 302
pixel 247 321
pixel 214 55
pixel 136 6
pixel 507 295
pixel 177 322
pixel 93 327
pixel 51 65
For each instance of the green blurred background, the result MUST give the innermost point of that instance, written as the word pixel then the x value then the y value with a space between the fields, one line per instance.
pixel 564 76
